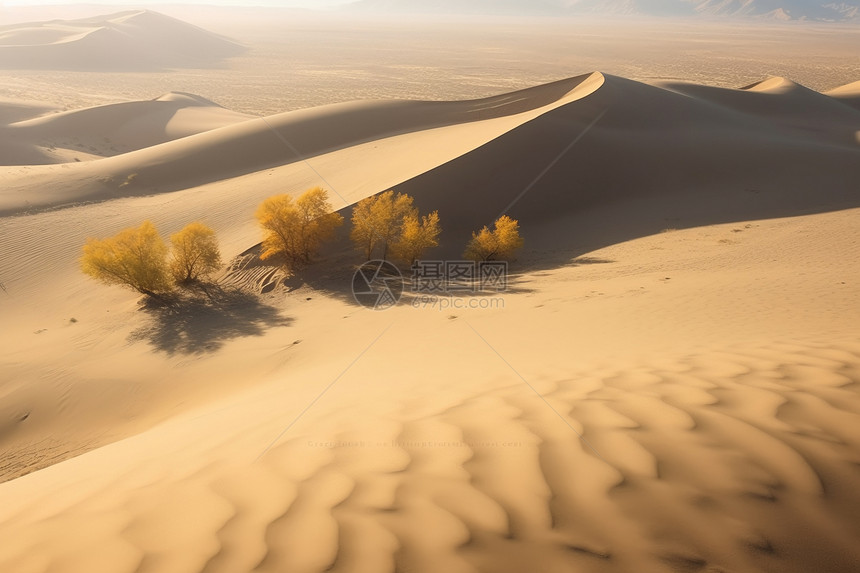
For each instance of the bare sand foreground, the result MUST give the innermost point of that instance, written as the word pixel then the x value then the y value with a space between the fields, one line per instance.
pixel 673 383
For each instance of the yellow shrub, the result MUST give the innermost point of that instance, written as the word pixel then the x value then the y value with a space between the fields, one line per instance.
pixel 136 258
pixel 296 229
pixel 194 254
pixel 498 244
pixel 378 221
pixel 416 236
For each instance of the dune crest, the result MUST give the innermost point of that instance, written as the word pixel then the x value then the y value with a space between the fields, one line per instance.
pixel 773 85
pixel 848 94
pixel 852 89
pixel 788 119
pixel 254 146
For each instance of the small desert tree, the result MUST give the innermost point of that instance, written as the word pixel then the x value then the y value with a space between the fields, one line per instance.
pixel 194 253
pixel 378 220
pixel 296 229
pixel 416 236
pixel 500 243
pixel 363 234
pixel 318 221
pixel 136 258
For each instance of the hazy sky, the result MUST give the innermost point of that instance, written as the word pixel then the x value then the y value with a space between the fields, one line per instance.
pixel 289 3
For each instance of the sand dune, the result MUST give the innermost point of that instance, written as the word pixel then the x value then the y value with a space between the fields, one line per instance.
pixel 777 122
pixel 778 99
pixel 849 90
pixel 258 145
pixel 848 94
pixel 653 143
pixel 109 130
pixel 127 41
pixel 12 111
pixel 684 400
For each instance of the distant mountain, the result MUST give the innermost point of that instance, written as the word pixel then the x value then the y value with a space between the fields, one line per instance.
pixel 825 10
pixel 457 6
pixel 818 10
pixel 127 41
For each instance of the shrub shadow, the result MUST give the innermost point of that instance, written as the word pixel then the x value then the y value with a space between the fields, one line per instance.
pixel 203 318
pixel 332 275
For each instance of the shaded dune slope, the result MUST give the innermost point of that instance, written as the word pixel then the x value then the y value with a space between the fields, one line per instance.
pixel 741 153
pixel 794 107
pixel 12 111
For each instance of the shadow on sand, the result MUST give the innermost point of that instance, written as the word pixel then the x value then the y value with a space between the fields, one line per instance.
pixel 203 318
pixel 333 276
